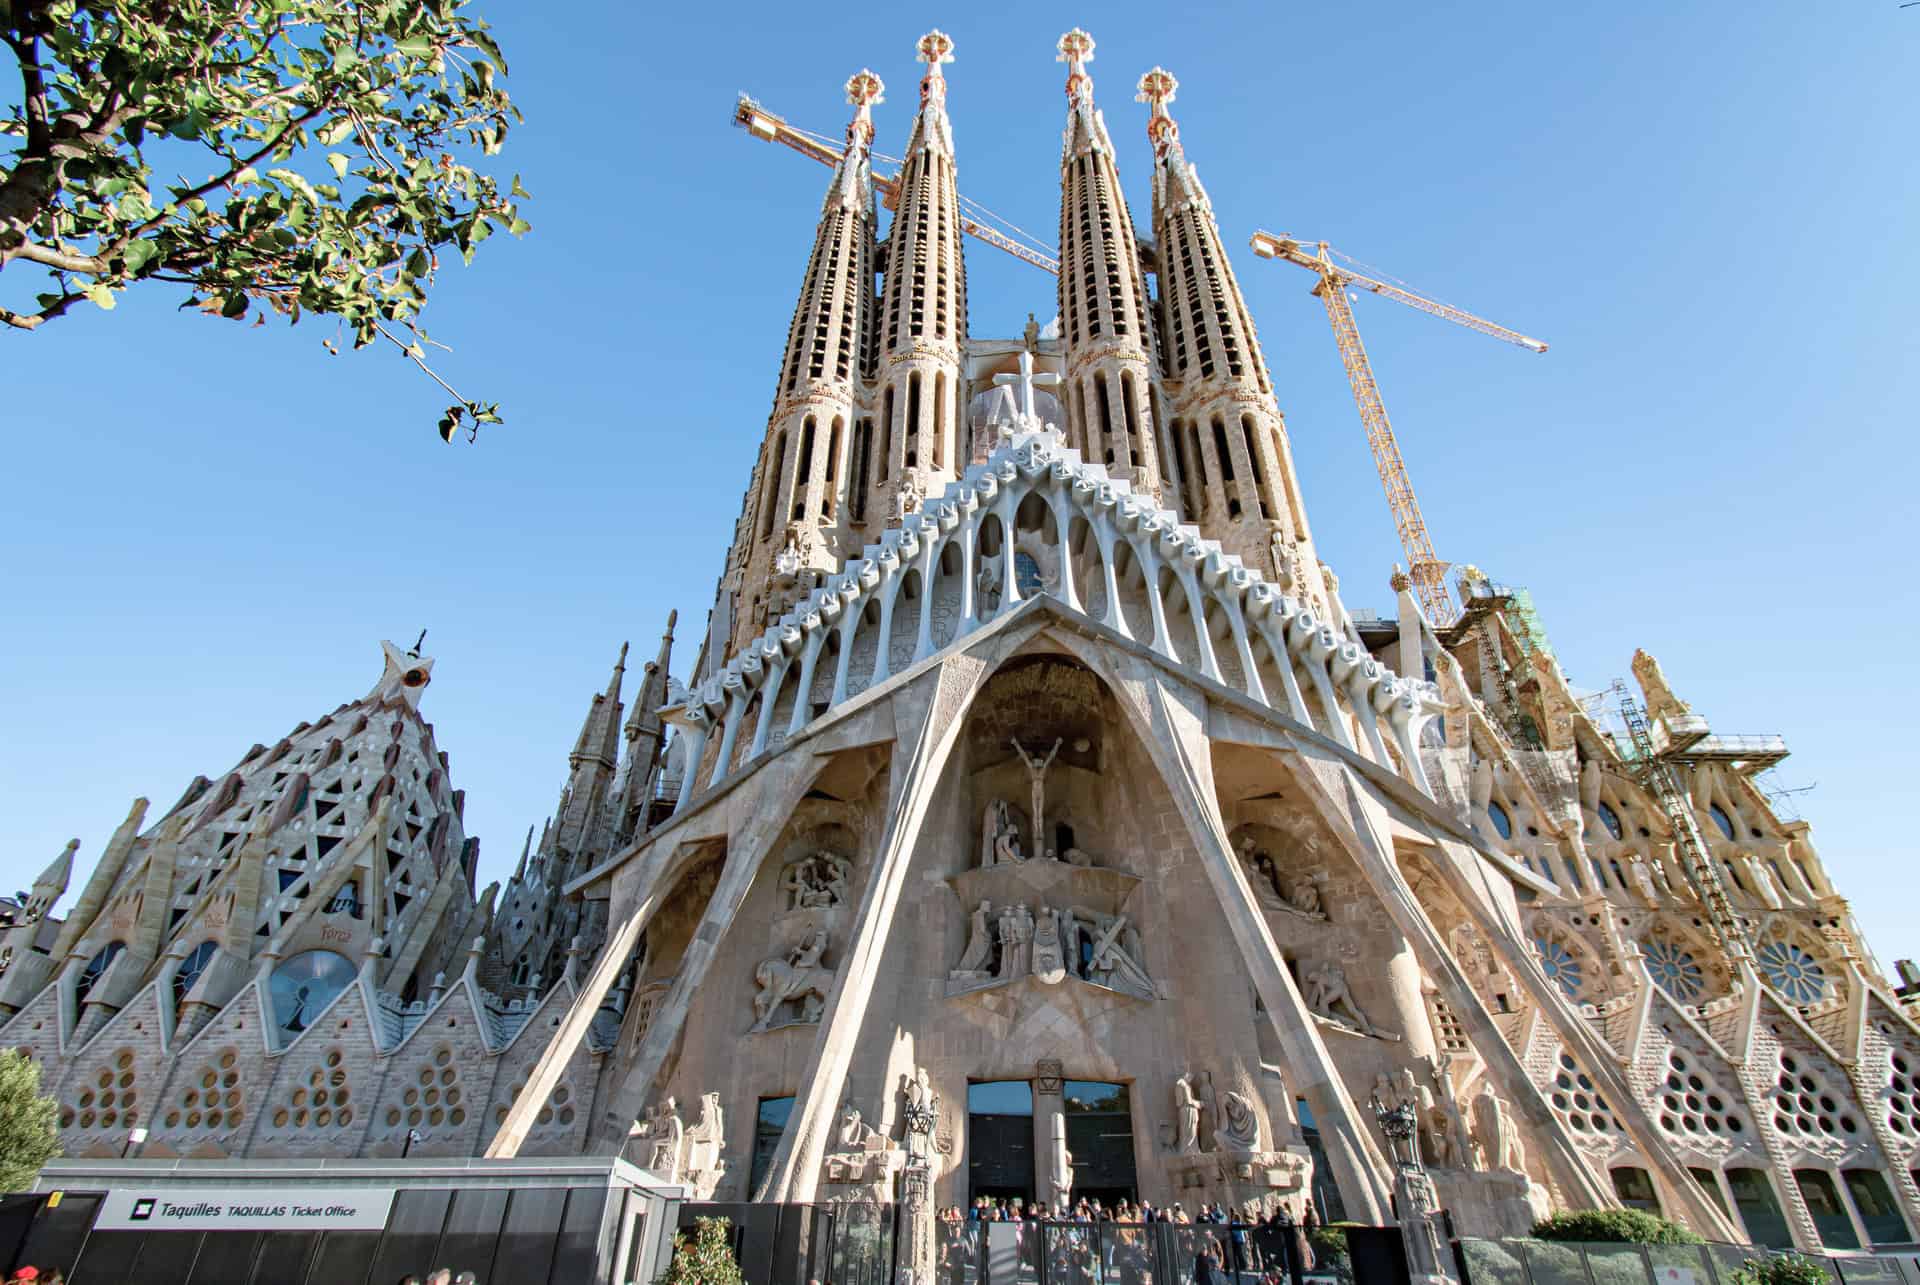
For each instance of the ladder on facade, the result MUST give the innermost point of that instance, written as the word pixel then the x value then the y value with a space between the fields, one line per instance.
pixel 1656 776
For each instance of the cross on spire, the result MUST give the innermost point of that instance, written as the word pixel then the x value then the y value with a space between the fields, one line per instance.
pixel 863 91
pixel 1157 90
pixel 1076 50
pixel 933 49
pixel 1025 381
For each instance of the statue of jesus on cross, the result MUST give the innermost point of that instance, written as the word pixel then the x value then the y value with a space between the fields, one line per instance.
pixel 1038 773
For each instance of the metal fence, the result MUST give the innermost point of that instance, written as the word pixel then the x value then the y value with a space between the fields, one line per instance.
pixel 1541 1262
pixel 1109 1253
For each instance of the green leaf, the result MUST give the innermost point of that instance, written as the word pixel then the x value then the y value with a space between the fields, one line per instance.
pixel 415 46
pixel 418 265
pixel 339 164
pixel 234 305
pixel 139 254
pixel 101 295
pixel 519 191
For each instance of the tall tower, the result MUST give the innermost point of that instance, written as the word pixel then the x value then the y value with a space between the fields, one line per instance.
pixel 1236 469
pixel 922 321
pixel 1104 307
pixel 798 497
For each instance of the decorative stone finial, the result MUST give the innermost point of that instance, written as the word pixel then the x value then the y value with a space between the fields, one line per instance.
pixel 1076 50
pixel 863 91
pixel 935 48
pixel 1157 89
pixel 1400 581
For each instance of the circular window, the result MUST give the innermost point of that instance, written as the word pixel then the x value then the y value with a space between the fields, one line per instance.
pixel 1792 971
pixel 1560 965
pixel 1673 969
pixel 304 985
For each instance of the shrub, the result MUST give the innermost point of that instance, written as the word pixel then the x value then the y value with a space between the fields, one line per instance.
pixel 29 1134
pixel 1329 1244
pixel 707 1260
pixel 1780 1269
pixel 1631 1226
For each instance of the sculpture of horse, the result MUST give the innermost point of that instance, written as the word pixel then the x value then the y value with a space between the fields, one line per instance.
pixel 780 981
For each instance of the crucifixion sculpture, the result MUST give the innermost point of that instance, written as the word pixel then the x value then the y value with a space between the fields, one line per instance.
pixel 1038 774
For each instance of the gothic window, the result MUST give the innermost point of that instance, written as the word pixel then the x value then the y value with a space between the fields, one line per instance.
pixel 1132 417
pixel 1226 467
pixel 1635 1188
pixel 863 437
pixel 194 964
pixel 1673 969
pixel 1502 823
pixel 1874 1201
pixel 306 984
pixel 770 489
pixel 768 1124
pixel 96 969
pixel 1792 971
pixel 1562 967
pixel 347 900
pixel 522 970
pixel 1610 819
pixel 1721 819
pixel 1026 574
pixel 804 473
pixel 1106 416
pixel 939 418
pixel 913 419
pixel 886 435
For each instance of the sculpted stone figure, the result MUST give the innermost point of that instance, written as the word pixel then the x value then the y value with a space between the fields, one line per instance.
pixel 1186 1111
pixel 854 1134
pixel 798 976
pixel 1305 897
pixel 705 1141
pixel 1327 995
pixel 1496 1133
pixel 817 882
pixel 1115 954
pixel 979 952
pixel 1037 774
pixel 1240 1128
pixel 1000 837
pixel 664 1128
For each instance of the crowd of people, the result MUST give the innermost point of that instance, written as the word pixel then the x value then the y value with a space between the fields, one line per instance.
pixel 1136 1244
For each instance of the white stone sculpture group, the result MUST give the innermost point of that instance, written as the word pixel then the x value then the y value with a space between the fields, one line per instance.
pixel 816 882
pixel 1492 1143
pixel 1000 832
pixel 1328 996
pixel 1302 897
pixel 1236 1130
pixel 680 1154
pixel 1015 941
pixel 798 976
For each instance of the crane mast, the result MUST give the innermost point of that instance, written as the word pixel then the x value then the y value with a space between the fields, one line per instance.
pixel 1425 568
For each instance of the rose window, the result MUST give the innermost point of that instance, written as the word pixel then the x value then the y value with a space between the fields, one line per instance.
pixel 1792 971
pixel 1673 969
pixel 1560 965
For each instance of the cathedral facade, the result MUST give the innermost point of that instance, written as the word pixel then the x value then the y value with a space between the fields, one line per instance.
pixel 1035 820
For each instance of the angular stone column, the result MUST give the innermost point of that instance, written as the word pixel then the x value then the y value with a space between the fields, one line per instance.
pixel 928 714
pixel 1169 720
pixel 783 782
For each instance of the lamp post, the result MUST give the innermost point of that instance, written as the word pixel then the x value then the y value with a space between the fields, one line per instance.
pixel 135 1140
pixel 413 1136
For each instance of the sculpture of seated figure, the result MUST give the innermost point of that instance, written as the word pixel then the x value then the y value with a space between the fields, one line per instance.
pixel 1000 836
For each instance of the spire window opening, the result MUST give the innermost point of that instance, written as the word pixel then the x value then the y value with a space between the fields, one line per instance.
pixel 1106 416
pixel 1127 397
pixel 770 492
pixel 886 437
pixel 913 419
pixel 1197 475
pixel 1261 486
pixel 828 491
pixel 804 474
pixel 939 418
pixel 1227 478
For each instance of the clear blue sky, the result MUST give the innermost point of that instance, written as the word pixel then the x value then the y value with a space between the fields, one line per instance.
pixel 1709 214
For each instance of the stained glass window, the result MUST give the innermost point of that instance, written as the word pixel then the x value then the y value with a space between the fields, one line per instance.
pixel 1674 969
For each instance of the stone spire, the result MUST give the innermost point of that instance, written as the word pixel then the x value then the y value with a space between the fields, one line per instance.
pixel 1104 317
pixel 1239 485
pixel 646 734
pixel 596 755
pixel 915 448
pixel 599 737
pixel 796 518
pixel 52 883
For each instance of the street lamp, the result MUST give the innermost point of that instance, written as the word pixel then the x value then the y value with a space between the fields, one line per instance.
pixel 413 1136
pixel 135 1140
pixel 1399 1126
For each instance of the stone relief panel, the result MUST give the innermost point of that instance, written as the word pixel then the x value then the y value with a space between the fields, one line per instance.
pixel 793 988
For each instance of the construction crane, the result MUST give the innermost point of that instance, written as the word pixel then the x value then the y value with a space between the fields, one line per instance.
pixel 761 123
pixel 1424 568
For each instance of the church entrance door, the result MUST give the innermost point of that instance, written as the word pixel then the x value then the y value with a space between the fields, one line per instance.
pixel 1000 1140
pixel 1100 1138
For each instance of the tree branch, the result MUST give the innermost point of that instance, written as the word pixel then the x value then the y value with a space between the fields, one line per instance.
pixel 64 260
pixel 33 320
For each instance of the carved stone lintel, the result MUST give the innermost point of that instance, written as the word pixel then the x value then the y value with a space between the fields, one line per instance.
pixel 1049 1076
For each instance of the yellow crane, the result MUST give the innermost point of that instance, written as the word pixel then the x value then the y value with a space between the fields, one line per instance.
pixel 763 124
pixel 1424 566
